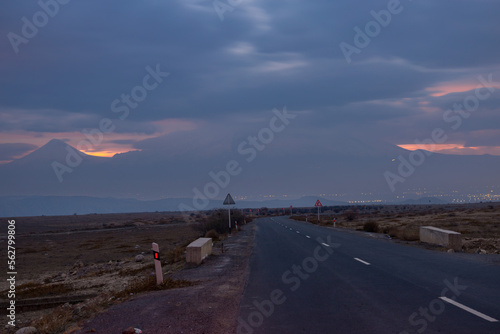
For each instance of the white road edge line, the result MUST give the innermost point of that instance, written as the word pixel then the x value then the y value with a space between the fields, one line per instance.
pixel 308 237
pixel 468 309
pixel 297 231
pixel 325 244
pixel 362 261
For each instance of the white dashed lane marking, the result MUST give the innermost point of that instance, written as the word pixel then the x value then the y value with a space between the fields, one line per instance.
pixel 468 309
pixel 364 262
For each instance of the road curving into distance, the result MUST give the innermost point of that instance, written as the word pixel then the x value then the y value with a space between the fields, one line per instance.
pixel 305 278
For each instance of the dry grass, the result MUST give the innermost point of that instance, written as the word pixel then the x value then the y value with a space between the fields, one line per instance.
pixel 212 234
pixel 56 322
pixel 35 290
pixel 148 283
pixel 175 255
pixel 134 272
pixel 406 233
pixel 24 251
pixel 82 256
pixel 403 221
pixel 65 316
pixel 370 226
pixel 59 252
pixel 97 273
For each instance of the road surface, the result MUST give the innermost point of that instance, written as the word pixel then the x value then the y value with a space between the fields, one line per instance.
pixel 310 279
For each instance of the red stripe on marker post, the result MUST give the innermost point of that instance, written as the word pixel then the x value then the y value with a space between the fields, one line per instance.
pixel 159 273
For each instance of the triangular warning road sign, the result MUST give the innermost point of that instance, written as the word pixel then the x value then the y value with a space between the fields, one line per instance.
pixel 318 203
pixel 229 200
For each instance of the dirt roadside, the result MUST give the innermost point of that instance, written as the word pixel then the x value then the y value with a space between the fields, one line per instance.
pixel 210 306
pixel 479 223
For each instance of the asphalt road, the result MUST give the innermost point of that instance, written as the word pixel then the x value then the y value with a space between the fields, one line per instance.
pixel 309 279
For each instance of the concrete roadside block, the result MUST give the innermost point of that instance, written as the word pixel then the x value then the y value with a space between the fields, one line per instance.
pixel 198 250
pixel 437 236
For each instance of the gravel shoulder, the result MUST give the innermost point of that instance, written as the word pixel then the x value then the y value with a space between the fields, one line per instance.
pixel 210 306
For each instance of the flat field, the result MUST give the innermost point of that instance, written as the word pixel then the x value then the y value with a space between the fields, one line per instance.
pixel 73 267
pixel 80 257
pixel 479 223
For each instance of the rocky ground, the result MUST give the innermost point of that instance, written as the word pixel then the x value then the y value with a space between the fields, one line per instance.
pixel 209 306
pixel 479 223
pixel 81 266
pixel 69 273
pixel 92 259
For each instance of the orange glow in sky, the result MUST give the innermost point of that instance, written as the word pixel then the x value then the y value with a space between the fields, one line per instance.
pixel 107 148
pixel 459 149
pixel 432 148
pixel 455 87
pixel 107 154
pixel 447 88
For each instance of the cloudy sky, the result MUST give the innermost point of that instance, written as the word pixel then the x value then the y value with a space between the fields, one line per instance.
pixel 197 76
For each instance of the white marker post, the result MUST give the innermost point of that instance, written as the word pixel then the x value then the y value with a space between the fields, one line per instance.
pixel 159 274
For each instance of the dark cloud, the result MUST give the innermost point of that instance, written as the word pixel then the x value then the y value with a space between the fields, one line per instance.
pixel 45 120
pixel 444 34
pixel 13 150
pixel 483 138
pixel 57 121
pixel 123 141
pixel 264 54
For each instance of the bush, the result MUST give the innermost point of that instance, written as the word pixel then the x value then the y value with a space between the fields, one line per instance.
pixel 392 231
pixel 404 233
pixel 350 215
pixel 218 221
pixel 411 234
pixel 175 255
pixel 212 234
pixel 370 226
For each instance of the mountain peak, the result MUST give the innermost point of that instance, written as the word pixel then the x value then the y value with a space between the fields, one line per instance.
pixel 54 144
pixel 54 150
pixel 57 147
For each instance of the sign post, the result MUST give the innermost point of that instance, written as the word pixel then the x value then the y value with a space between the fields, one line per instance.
pixel 318 205
pixel 159 274
pixel 229 201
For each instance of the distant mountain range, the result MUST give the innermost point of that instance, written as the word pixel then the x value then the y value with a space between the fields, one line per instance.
pixel 423 200
pixel 58 179
pixel 68 205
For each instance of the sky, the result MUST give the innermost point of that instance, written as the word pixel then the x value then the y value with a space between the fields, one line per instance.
pixel 197 77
